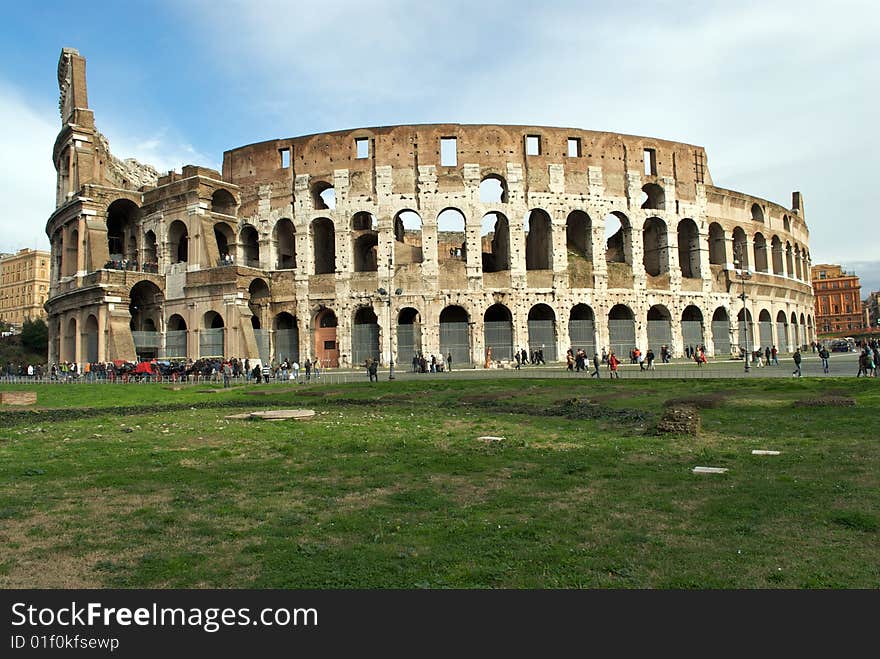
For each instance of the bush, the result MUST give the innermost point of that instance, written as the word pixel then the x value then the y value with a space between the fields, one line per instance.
pixel 35 337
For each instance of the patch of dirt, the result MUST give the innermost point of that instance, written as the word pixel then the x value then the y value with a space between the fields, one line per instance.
pixel 468 490
pixel 700 401
pixel 826 401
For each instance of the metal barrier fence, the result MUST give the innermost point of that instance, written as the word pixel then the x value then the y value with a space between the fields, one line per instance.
pixel 542 335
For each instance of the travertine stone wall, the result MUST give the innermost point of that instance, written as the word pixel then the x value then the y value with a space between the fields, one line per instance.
pixel 219 237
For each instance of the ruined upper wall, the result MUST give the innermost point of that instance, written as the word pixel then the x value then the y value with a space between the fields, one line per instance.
pixel 492 147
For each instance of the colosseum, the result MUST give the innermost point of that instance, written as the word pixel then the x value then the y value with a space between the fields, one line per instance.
pixel 383 242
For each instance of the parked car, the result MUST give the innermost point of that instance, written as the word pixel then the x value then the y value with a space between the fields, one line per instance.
pixel 840 346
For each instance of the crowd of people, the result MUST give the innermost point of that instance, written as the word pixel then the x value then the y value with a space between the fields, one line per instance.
pixel 230 370
pixel 131 264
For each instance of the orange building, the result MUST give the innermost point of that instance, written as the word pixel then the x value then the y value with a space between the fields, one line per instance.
pixel 838 299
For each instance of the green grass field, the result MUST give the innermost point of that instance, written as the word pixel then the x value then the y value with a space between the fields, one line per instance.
pixel 144 486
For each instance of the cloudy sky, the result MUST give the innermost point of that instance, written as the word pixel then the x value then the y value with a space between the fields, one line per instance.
pixel 783 95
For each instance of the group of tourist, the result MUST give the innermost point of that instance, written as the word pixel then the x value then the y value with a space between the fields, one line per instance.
pixel 131 264
pixel 431 364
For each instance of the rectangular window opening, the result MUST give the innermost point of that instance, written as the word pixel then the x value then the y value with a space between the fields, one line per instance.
pixel 285 158
pixel 650 157
pixel 362 145
pixel 574 147
pixel 448 151
pixel 533 145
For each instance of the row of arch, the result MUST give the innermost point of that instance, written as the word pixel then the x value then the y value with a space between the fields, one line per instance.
pixel 455 334
pixel 495 238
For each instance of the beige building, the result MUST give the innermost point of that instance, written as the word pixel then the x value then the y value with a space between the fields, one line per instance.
pixel 389 241
pixel 24 286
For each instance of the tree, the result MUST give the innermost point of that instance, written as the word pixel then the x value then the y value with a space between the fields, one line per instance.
pixel 35 336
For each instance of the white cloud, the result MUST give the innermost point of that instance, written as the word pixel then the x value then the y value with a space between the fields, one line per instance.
pixel 27 184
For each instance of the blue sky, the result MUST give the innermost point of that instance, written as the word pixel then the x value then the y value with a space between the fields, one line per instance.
pixel 783 95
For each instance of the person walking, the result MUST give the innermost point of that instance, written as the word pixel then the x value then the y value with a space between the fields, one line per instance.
pixel 613 361
pixel 774 353
pixel 595 372
pixel 227 373
pixel 449 361
pixel 267 371
pixel 823 355
pixel 308 366
pixel 797 362
pixel 649 358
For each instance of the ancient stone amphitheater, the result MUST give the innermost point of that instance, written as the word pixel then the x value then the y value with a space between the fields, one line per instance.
pixel 446 238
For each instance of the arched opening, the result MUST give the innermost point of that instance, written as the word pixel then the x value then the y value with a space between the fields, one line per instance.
pixel 740 249
pixel 618 238
pixel 324 331
pixel 798 263
pixel 745 331
pixel 323 196
pixel 365 253
pixel 789 262
pixel 689 249
pixel 653 197
pixel 776 248
pixel 659 328
pixel 656 246
pixel 70 342
pixel 72 253
pixel 408 238
pixel 259 299
pixel 364 336
pixel 91 339
pixel 324 243
pixel 151 252
pixel 782 331
pixel 582 329
pixel 721 332
pixel 795 332
pixel 493 189
pixel 498 332
pixel 250 246
pixel 451 242
pixel 765 330
pixel 366 242
pixel 691 327
pixel 211 335
pixel 122 229
pixel 495 242
pixel 542 331
pixel 810 334
pixel 786 224
pixel 803 335
pixel 178 242
pixel 621 330
pixel 224 236
pixel 145 308
pixel 539 240
pixel 409 335
pixel 757 213
pixel 455 337
pixel 285 244
pixel 286 338
pixel 760 253
pixel 578 235
pixel 223 202
pixel 176 338
pixel 717 252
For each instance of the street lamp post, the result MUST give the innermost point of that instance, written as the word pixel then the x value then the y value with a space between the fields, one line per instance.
pixel 383 292
pixel 743 276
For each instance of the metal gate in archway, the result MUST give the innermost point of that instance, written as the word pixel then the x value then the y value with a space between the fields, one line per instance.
pixel 454 340
pixel 765 334
pixel 692 333
pixel 498 335
pixel 721 337
pixel 659 334
pixel 408 343
pixel 364 343
pixel 542 336
pixel 262 338
pixel 582 334
pixel 621 337
pixel 287 345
